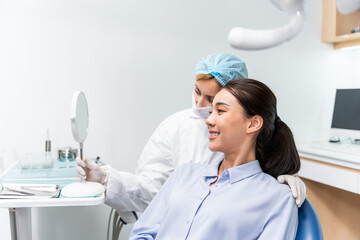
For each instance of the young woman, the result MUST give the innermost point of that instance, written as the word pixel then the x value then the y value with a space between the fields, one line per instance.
pixel 239 198
pixel 180 138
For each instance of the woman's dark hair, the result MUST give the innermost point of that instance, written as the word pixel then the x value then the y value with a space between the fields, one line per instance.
pixel 275 145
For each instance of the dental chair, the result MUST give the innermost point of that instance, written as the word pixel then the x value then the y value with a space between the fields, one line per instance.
pixel 309 227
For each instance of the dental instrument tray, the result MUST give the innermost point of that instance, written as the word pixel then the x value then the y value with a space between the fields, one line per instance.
pixel 20 191
pixel 61 173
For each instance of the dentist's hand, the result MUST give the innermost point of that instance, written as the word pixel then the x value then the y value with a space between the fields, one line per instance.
pixel 88 170
pixel 297 186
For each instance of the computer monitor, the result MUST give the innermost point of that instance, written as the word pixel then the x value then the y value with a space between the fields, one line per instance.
pixel 346 115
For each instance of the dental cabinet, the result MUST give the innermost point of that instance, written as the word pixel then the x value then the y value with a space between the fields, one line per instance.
pixel 332 179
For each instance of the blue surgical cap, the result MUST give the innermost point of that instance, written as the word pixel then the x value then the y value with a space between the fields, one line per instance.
pixel 224 67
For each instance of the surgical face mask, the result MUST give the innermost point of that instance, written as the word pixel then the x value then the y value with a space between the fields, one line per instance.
pixel 203 112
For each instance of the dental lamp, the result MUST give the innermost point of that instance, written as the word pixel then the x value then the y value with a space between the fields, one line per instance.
pixel 250 39
pixel 347 6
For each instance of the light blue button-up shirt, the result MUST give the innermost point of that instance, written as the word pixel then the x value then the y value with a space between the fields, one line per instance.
pixel 245 203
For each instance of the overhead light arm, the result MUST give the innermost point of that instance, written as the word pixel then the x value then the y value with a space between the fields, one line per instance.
pixel 250 39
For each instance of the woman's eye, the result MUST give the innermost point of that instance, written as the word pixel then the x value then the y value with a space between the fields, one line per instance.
pixel 220 111
pixel 210 99
pixel 197 91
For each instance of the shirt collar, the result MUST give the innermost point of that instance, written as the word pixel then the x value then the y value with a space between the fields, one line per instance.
pixel 210 170
pixel 237 173
pixel 243 171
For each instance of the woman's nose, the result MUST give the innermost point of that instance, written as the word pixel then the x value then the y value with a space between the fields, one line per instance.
pixel 210 121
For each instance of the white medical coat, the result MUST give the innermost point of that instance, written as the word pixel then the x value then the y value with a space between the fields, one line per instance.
pixel 180 138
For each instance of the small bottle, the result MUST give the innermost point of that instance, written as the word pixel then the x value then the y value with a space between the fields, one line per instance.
pixel 48 156
pixel 47 142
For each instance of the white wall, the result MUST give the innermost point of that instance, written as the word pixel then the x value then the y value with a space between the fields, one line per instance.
pixel 134 60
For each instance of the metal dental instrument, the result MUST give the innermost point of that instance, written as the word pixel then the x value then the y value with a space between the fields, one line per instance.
pixel 40 188
pixel 2 187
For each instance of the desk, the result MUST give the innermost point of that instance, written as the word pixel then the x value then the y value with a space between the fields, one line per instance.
pixel 20 209
pixel 333 187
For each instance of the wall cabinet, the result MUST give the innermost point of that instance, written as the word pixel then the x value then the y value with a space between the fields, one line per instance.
pixel 334 192
pixel 336 27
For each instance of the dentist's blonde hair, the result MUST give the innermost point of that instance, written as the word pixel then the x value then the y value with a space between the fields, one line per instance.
pixel 200 77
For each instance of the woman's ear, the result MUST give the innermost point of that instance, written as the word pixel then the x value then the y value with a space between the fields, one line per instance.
pixel 256 123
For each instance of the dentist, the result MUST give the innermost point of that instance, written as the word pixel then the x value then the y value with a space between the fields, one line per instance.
pixel 180 138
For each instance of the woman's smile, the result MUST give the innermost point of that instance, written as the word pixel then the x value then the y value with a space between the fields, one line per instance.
pixel 213 134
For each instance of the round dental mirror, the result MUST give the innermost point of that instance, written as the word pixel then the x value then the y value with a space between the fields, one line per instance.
pixel 79 127
pixel 79 118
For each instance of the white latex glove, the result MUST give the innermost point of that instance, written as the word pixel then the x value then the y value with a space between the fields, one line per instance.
pixel 89 170
pixel 297 186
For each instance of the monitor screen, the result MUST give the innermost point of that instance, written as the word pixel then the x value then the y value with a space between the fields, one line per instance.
pixel 346 115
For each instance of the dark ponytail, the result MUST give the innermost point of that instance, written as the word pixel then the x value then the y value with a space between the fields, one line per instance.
pixel 275 145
